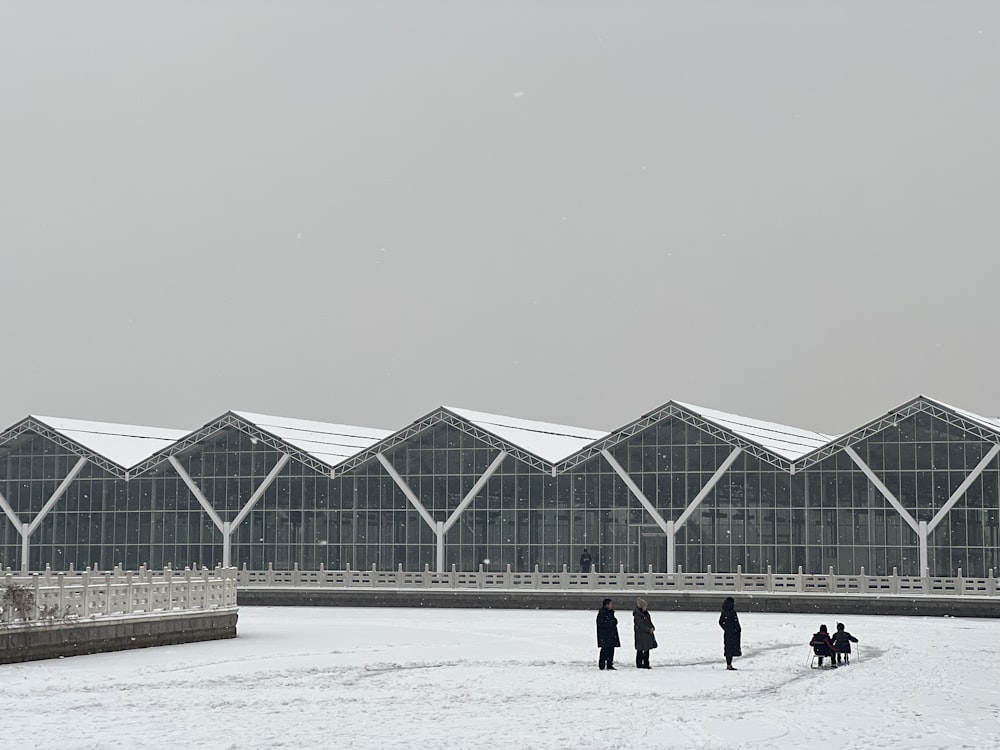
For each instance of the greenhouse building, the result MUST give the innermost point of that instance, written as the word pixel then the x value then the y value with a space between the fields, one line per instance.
pixel 680 488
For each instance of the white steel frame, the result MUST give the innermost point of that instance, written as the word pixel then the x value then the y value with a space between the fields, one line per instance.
pixel 923 528
pixel 26 529
pixel 670 527
pixel 919 405
pixel 31 425
pixel 444 416
pixel 435 418
pixel 229 419
pixel 440 528
pixel 227 527
pixel 683 414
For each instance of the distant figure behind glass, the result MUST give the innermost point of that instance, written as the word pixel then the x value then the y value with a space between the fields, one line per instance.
pixel 585 561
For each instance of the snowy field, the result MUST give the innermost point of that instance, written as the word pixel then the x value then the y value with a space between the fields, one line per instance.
pixel 402 678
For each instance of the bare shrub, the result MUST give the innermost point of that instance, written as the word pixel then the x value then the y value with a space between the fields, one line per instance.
pixel 16 600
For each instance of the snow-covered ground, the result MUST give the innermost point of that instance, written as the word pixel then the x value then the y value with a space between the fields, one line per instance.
pixel 395 678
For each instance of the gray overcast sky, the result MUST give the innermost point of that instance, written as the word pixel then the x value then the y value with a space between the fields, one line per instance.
pixel 568 211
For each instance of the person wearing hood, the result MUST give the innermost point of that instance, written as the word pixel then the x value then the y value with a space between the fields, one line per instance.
pixel 823 646
pixel 729 621
pixel 607 634
pixel 644 638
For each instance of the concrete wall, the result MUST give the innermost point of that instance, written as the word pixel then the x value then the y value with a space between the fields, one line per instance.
pixel 820 604
pixel 52 639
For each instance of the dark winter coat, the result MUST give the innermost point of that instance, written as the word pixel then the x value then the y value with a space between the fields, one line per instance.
pixel 729 621
pixel 607 629
pixel 585 562
pixel 644 638
pixel 821 644
pixel 842 641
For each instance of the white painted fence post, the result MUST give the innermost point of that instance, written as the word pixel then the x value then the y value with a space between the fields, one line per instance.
pixel 86 593
pixel 188 587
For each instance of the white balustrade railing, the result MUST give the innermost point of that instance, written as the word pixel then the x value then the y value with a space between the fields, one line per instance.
pixel 86 594
pixel 90 593
pixel 764 583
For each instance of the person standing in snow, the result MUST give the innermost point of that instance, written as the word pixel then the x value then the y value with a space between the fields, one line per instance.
pixel 842 641
pixel 822 646
pixel 729 621
pixel 585 561
pixel 644 638
pixel 607 634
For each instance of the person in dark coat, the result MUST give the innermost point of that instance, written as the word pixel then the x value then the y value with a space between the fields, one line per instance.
pixel 585 561
pixel 729 621
pixel 644 638
pixel 822 646
pixel 607 634
pixel 842 641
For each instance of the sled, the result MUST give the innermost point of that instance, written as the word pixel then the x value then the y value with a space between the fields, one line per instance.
pixel 814 658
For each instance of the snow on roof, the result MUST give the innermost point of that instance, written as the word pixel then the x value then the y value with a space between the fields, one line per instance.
pixel 992 422
pixel 329 443
pixel 789 442
pixel 551 442
pixel 123 444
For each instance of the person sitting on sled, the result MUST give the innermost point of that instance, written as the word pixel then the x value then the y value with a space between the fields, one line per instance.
pixel 842 641
pixel 822 646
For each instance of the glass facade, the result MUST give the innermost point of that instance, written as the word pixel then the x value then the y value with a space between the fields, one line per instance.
pixel 758 515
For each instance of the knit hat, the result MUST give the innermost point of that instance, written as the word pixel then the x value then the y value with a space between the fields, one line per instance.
pixel 640 603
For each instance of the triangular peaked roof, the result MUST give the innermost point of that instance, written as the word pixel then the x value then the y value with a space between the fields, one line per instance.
pixel 774 443
pixel 552 442
pixel 790 442
pixel 992 423
pixel 125 444
pixel 329 443
pixel 318 445
pixel 114 447
pixel 986 428
pixel 538 444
